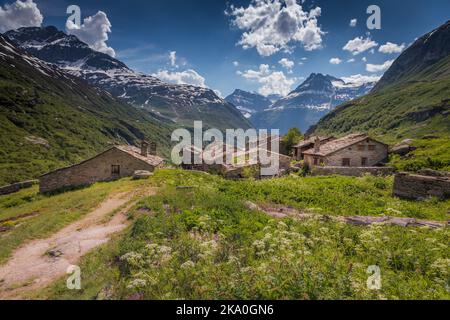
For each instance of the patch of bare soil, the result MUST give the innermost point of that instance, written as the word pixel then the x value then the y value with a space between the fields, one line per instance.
pixel 40 262
pixel 280 212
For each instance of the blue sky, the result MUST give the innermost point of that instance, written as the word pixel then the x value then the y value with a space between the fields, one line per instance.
pixel 206 42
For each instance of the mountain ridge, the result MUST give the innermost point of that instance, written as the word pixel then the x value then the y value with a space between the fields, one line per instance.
pixel 180 103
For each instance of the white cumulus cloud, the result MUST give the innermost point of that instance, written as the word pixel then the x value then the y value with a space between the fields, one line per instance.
pixel 236 63
pixel 20 14
pixel 272 82
pixel 359 79
pixel 94 31
pixel 360 45
pixel 173 58
pixel 183 77
pixel 353 23
pixel 335 61
pixel 274 25
pixel 379 67
pixel 390 47
pixel 286 63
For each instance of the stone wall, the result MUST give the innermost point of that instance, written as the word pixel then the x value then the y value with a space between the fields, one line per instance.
pixel 12 188
pixel 93 170
pixel 352 171
pixel 419 187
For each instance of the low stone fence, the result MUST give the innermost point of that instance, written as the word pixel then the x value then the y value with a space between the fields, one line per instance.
pixel 420 187
pixel 352 171
pixel 12 188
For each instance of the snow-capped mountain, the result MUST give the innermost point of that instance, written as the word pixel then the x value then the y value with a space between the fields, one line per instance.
pixel 180 103
pixel 306 105
pixel 248 103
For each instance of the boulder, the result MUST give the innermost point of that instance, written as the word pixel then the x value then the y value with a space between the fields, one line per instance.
pixel 142 174
pixel 404 147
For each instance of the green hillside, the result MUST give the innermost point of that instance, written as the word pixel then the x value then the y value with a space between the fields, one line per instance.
pixel 411 101
pixel 49 119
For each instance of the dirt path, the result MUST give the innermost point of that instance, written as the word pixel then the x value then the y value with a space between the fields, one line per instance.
pixel 283 212
pixel 40 262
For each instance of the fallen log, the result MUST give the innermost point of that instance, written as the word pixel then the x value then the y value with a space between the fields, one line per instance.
pixel 290 212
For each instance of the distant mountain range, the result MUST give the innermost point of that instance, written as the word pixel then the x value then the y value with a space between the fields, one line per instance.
pixel 303 107
pixel 248 103
pixel 181 104
pixel 411 100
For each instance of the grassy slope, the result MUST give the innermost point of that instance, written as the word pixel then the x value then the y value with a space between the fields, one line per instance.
pixel 203 243
pixel 77 120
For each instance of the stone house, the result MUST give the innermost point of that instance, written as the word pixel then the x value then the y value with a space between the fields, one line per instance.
pixel 306 145
pixel 114 163
pixel 355 150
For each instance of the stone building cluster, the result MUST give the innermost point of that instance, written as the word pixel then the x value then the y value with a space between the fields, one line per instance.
pixel 216 159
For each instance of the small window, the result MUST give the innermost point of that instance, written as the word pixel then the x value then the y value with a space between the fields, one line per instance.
pixel 372 148
pixel 115 170
pixel 346 162
pixel 361 147
pixel 316 161
pixel 364 162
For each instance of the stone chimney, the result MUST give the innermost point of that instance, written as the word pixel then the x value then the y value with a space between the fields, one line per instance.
pixel 269 143
pixel 144 148
pixel 153 148
pixel 317 145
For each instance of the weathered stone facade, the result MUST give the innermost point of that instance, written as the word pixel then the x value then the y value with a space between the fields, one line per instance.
pixel 419 187
pixel 115 163
pixel 351 151
pixel 352 171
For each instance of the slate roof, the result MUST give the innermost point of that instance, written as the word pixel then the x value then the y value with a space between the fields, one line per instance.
pixel 310 141
pixel 136 152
